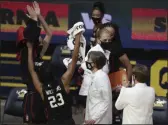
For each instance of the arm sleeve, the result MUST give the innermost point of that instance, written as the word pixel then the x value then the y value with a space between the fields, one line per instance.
pixel 121 102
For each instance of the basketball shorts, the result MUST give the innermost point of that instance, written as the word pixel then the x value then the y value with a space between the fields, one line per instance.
pixel 34 110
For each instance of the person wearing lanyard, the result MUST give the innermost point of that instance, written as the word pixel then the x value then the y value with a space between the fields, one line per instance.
pixel 99 99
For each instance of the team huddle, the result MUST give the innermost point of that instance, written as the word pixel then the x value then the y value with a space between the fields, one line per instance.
pixel 48 99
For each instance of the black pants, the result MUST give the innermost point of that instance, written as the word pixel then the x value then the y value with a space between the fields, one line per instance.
pixel 34 111
pixel 62 122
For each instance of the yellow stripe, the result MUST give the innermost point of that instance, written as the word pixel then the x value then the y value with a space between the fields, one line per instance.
pixel 8 55
pixel 9 84
pixel 10 62
pixel 133 62
pixel 10 78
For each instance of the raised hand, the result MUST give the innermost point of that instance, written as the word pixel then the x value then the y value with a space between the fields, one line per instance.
pixel 31 13
pixel 36 8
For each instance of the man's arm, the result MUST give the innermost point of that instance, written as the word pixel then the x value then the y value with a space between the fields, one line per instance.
pixel 33 74
pixel 122 100
pixel 126 62
pixel 67 76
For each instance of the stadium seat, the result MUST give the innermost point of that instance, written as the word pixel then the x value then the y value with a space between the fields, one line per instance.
pixel 160 113
pixel 13 105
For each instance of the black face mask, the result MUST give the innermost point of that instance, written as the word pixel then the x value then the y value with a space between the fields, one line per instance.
pixel 96 20
pixel 106 45
pixel 89 65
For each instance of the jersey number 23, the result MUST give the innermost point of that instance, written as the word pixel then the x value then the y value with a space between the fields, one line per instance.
pixel 56 101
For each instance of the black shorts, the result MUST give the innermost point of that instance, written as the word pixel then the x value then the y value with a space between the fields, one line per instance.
pixel 62 122
pixel 34 111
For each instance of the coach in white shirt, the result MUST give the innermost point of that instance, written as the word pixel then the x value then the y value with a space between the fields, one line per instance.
pixel 99 99
pixel 103 37
pixel 137 102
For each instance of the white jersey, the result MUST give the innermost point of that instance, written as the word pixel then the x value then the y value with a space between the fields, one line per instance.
pixel 87 73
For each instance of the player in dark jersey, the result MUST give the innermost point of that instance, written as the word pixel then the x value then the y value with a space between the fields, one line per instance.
pixel 34 112
pixel 53 90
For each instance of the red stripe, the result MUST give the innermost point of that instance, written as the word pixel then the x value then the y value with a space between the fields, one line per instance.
pixel 25 105
pixel 46 113
pixel 143 12
pixel 149 36
pixel 32 97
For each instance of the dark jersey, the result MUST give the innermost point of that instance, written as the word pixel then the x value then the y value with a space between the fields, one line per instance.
pixel 26 77
pixel 58 102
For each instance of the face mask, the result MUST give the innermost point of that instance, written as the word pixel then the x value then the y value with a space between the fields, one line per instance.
pixel 89 65
pixel 106 45
pixel 96 20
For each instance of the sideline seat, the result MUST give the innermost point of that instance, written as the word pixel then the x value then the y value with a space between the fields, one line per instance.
pixel 13 105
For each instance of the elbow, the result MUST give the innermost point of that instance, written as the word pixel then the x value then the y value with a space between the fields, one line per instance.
pixel 118 107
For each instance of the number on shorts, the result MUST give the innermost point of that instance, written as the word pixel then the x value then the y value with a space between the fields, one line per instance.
pixel 56 101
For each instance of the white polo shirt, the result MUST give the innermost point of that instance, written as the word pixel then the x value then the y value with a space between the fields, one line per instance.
pixel 87 73
pixel 99 99
pixel 137 103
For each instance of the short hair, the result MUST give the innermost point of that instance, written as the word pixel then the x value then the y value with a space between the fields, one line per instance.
pixel 98 58
pixel 141 73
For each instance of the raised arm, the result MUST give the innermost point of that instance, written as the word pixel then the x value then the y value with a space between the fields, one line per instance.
pixel 67 76
pixel 33 74
pixel 47 39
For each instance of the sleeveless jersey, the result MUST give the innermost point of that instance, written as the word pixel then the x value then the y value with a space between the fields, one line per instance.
pixel 58 102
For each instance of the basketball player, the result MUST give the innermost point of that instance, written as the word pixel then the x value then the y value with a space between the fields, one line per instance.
pixel 55 91
pixel 34 112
